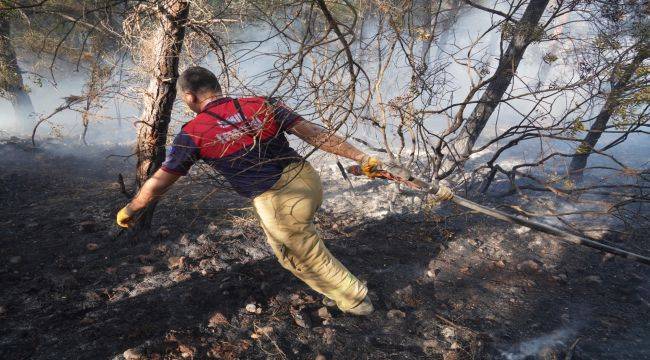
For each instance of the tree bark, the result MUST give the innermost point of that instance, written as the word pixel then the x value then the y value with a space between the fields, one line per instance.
pixel 159 98
pixel 619 85
pixel 11 79
pixel 525 32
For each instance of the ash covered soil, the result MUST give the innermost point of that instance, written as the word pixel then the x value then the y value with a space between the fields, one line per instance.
pixel 446 283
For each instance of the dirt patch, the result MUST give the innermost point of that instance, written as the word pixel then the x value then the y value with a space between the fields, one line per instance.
pixel 446 284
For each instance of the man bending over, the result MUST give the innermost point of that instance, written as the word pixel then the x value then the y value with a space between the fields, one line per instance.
pixel 244 140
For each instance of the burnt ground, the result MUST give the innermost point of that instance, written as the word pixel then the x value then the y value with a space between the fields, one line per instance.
pixel 446 284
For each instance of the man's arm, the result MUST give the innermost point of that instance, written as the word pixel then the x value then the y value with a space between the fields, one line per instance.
pixel 326 141
pixel 151 190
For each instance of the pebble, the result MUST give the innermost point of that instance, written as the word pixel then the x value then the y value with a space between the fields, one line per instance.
pixel 178 276
pixel 262 331
pixel 251 308
pixel 560 278
pixel 92 246
pixel 132 354
pixel 15 259
pixel 184 240
pixel 147 269
pixel 324 313
pixel 448 332
pixel 430 344
pixel 396 314
pixel 186 351
pixel 87 321
pixel 203 239
pixel 213 228
pixel 528 266
pixel 176 262
pixel 3 310
pixel 217 319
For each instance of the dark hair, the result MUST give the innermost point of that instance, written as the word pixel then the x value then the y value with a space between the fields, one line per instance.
pixel 196 80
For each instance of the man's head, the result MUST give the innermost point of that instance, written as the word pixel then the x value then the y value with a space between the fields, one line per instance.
pixel 197 84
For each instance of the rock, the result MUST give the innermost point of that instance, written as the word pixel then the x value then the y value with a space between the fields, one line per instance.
pixel 455 345
pixel 396 314
pixel 300 318
pixel 500 264
pixel 176 262
pixel 147 269
pixel 203 239
pixel 87 321
pixel 251 308
pixel 450 355
pixel 161 248
pixel 529 266
pixel 195 252
pixel 448 333
pixel 92 246
pixel 133 354
pixel 186 351
pixel 404 297
pixel 213 228
pixel 88 226
pixel 561 278
pixel 179 276
pixel 217 319
pixel 184 240
pixel 15 259
pixel 262 331
pixel 323 313
pixel 3 310
pixel 430 344
pixel 321 357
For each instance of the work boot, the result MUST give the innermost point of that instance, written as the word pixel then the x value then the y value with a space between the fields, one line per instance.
pixel 364 308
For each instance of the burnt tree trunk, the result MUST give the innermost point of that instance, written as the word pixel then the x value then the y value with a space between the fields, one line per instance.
pixel 619 85
pixel 525 31
pixel 11 79
pixel 159 97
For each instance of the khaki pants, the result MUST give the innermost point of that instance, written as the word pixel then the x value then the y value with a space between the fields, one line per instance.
pixel 286 213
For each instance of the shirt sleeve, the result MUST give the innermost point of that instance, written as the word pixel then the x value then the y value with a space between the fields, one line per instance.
pixel 284 117
pixel 182 155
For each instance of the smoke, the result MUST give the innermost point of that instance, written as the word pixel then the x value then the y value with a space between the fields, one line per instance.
pixel 256 58
pixel 539 346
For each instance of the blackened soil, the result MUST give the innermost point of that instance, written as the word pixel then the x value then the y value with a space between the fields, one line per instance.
pixel 203 284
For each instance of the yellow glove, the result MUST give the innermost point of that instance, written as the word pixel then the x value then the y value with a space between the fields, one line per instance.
pixel 370 165
pixel 125 217
pixel 444 194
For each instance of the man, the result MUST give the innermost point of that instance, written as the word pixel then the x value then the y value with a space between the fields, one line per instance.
pixel 244 140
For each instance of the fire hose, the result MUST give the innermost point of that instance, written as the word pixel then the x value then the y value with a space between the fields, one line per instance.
pixel 403 176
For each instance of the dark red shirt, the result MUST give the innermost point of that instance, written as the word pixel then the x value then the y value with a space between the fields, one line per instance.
pixel 243 139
